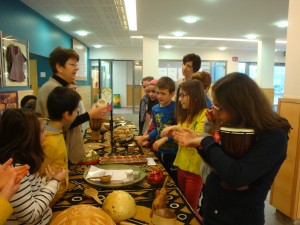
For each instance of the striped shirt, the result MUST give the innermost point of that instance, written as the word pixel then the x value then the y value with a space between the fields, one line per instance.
pixel 31 201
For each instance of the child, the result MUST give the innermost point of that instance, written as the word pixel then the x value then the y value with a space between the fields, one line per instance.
pixel 143 103
pixel 163 116
pixel 20 138
pixel 190 113
pixel 205 78
pixel 149 124
pixel 62 106
pixel 10 178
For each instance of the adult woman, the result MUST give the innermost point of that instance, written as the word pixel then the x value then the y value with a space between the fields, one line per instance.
pixel 238 102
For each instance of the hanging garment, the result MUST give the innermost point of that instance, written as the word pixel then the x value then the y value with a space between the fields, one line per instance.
pixel 15 63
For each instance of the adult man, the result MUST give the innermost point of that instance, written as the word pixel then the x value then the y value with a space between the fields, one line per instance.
pixel 64 65
pixel 191 63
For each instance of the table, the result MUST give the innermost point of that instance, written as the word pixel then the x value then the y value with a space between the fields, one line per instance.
pixel 143 193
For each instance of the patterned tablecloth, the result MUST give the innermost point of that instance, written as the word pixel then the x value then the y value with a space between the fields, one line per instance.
pixel 143 193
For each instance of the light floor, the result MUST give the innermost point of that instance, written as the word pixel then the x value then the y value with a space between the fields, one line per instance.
pixel 271 215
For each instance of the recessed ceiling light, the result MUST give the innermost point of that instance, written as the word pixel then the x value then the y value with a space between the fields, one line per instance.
pixel 178 33
pixel 82 32
pixel 65 18
pixel 137 37
pixel 97 46
pixel 130 8
pixel 251 36
pixel 190 19
pixel 168 46
pixel 222 48
pixel 282 23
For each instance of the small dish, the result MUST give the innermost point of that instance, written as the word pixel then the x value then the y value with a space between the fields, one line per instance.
pixel 105 179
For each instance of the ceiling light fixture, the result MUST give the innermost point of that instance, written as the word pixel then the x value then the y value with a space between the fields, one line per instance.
pixel 168 46
pixel 178 33
pixel 65 18
pixel 222 48
pixel 251 36
pixel 190 19
pixel 82 33
pixel 97 46
pixel 130 8
pixel 282 24
pixel 206 38
pixel 137 37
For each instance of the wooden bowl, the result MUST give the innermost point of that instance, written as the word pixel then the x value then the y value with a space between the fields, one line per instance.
pixel 105 179
pixel 164 216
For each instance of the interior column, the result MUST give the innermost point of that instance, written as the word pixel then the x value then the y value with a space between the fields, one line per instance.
pixel 150 55
pixel 265 66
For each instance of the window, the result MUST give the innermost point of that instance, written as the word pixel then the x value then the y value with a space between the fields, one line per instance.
pixel 250 68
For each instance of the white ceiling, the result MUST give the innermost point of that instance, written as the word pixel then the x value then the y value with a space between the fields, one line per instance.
pixel 219 19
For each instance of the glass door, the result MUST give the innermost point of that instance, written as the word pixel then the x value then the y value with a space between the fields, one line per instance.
pixel 95 68
pixel 137 92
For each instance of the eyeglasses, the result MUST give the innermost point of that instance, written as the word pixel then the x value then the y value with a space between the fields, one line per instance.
pixel 73 64
pixel 181 96
pixel 217 109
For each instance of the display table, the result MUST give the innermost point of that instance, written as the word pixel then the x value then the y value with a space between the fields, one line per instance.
pixel 143 192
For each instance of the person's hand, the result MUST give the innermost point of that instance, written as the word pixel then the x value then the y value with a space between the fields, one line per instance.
pixel 97 112
pixel 168 131
pixel 59 174
pixel 10 187
pixel 210 115
pixel 187 138
pixel 142 140
pixel 158 143
pixel 6 172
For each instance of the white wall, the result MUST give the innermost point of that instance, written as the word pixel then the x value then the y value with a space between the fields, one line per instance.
pixel 119 79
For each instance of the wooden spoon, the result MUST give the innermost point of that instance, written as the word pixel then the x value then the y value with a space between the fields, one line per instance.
pixel 92 193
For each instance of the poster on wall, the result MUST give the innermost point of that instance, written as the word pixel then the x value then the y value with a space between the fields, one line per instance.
pixel 14 62
pixel 8 99
pixel 82 52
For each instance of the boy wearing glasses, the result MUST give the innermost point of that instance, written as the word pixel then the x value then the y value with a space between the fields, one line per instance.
pixel 163 115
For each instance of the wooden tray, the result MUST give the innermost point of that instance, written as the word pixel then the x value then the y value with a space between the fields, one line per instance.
pixel 130 159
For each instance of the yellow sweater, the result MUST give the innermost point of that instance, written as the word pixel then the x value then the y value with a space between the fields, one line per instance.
pixel 56 155
pixel 6 210
pixel 187 158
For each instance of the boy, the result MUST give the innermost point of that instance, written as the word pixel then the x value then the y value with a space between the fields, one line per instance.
pixel 143 103
pixel 62 106
pixel 205 78
pixel 163 115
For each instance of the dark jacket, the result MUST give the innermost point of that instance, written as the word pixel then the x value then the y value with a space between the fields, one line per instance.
pixel 257 169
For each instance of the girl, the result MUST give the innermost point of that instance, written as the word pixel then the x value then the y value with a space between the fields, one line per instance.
pixel 148 125
pixel 20 139
pixel 239 103
pixel 190 113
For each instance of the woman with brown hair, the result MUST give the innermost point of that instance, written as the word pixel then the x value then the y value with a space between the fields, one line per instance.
pixel 237 187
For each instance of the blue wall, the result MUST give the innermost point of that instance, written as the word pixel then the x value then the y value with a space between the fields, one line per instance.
pixel 25 24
